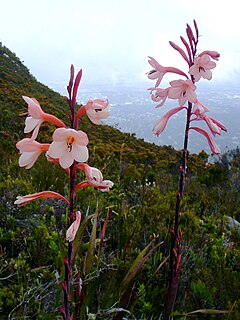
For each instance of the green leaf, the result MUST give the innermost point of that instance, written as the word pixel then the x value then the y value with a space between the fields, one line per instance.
pixel 137 265
pixel 207 311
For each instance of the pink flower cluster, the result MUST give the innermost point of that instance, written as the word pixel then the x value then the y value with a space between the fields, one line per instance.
pixel 184 90
pixel 68 144
pixel 68 148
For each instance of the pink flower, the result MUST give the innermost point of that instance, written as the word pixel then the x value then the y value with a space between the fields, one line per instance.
pixel 22 200
pixel 202 67
pixel 30 151
pixel 161 124
pixel 214 125
pixel 37 116
pixel 199 108
pixel 160 95
pixel 212 144
pixel 182 90
pixel 96 110
pixel 72 230
pixel 159 71
pixel 94 178
pixel 69 145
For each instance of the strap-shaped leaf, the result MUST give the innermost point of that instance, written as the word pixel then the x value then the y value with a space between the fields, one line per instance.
pixel 137 265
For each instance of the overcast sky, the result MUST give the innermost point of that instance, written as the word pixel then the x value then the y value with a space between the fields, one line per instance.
pixel 111 39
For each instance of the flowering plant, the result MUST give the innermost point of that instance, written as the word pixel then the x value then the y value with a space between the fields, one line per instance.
pixel 69 150
pixel 199 65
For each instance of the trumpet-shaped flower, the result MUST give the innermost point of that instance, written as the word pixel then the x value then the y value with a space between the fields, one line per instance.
pixel 159 71
pixel 202 67
pixel 212 144
pixel 22 200
pixel 182 90
pixel 199 108
pixel 96 111
pixel 72 230
pixel 30 151
pixel 69 145
pixel 161 124
pixel 160 95
pixel 37 116
pixel 214 125
pixel 94 178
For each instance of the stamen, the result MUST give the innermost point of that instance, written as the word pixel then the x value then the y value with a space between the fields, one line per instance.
pixel 152 71
pixel 201 69
pixel 69 143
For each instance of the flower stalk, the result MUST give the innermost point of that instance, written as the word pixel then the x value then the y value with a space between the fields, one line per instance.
pixel 183 90
pixel 69 150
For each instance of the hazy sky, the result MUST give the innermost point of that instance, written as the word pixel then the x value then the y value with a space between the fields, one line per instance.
pixel 111 39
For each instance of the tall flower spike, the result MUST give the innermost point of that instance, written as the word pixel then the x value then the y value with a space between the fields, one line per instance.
pixel 37 116
pixel 69 145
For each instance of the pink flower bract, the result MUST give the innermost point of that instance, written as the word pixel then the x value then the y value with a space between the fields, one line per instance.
pixel 69 145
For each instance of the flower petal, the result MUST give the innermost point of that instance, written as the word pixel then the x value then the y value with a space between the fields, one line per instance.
pixel 57 149
pixel 80 153
pixel 67 160
pixel 27 159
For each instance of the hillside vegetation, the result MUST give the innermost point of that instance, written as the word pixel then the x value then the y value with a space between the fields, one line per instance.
pixel 140 207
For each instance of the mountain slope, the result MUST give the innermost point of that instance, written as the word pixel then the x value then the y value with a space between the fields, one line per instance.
pixel 16 80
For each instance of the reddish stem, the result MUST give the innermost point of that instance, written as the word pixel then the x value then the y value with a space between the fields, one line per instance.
pixel 68 259
pixel 174 275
